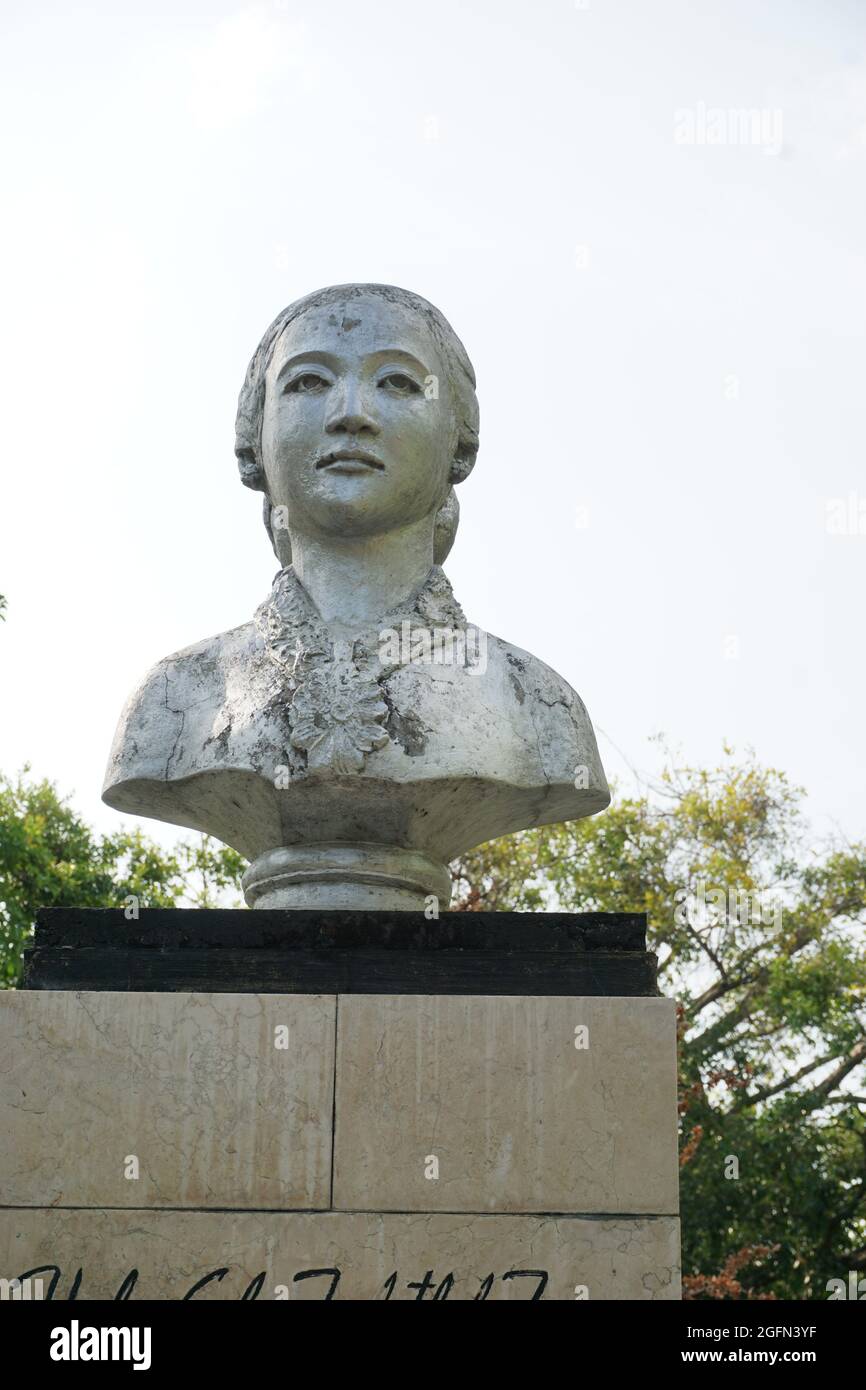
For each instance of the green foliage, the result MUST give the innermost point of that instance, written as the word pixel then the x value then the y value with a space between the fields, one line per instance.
pixel 773 1035
pixel 772 1002
pixel 49 857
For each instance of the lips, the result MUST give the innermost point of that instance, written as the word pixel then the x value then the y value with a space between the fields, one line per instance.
pixel 349 460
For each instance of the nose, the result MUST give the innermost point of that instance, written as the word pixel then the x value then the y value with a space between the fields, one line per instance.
pixel 349 412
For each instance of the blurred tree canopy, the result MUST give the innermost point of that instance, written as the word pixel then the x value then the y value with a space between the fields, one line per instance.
pixel 49 857
pixel 759 935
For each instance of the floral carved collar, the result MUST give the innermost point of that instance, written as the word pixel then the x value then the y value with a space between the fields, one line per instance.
pixel 336 689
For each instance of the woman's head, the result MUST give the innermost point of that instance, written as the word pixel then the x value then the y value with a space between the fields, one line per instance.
pixel 357 415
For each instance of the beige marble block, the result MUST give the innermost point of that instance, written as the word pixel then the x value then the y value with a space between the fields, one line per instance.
pixel 362 1256
pixel 471 1103
pixel 192 1086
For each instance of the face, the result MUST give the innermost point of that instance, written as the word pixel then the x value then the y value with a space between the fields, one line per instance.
pixel 355 439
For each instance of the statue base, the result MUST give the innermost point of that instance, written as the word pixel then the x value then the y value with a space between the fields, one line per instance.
pixel 438 1140
pixel 346 876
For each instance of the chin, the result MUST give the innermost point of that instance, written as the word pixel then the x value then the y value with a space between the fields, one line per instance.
pixel 346 520
pixel 360 508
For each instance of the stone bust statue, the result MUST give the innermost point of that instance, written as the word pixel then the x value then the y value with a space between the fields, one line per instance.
pixel 358 732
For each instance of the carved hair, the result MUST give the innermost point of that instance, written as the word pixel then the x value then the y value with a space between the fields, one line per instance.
pixel 459 374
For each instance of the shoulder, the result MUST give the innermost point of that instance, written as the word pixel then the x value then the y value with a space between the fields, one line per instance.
pixel 532 674
pixel 553 716
pixel 532 679
pixel 194 673
pixel 189 682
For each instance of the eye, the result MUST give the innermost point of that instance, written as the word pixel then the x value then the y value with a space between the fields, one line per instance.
pixel 399 383
pixel 306 383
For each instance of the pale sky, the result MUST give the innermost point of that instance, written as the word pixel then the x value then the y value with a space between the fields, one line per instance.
pixel 669 340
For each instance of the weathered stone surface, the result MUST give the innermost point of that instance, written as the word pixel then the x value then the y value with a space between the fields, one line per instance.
pixel 192 1085
pixel 516 1117
pixel 263 1254
pixel 359 732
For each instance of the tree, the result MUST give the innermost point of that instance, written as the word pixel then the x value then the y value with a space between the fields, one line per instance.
pixel 758 931
pixel 49 857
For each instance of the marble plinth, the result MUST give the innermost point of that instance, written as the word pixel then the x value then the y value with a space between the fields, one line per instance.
pixel 383 1136
pixel 359 1256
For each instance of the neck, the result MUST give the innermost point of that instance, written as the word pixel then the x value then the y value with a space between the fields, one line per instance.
pixel 356 581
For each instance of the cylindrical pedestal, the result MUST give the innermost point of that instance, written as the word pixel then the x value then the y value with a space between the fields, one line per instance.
pixel 346 876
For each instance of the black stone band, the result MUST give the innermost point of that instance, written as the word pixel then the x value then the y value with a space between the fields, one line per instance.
pixel 340 952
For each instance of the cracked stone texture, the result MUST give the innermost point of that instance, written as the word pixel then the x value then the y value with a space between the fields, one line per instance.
pixel 172 1251
pixel 518 1118
pixel 199 742
pixel 226 737
pixel 192 1084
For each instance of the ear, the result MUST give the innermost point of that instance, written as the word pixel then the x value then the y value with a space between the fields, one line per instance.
pixel 460 469
pixel 249 467
pixel 279 535
pixel 463 459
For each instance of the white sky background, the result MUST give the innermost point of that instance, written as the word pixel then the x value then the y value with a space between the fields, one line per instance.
pixel 175 173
